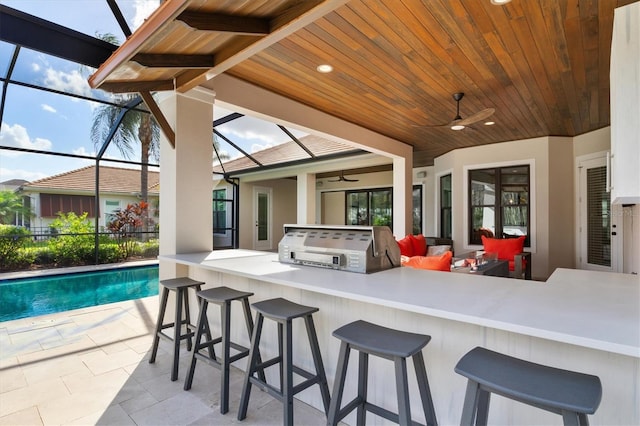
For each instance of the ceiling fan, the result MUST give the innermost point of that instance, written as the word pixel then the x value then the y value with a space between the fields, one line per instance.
pixel 459 123
pixel 341 178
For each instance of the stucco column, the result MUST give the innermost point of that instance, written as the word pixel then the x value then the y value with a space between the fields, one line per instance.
pixel 403 195
pixel 306 198
pixel 186 184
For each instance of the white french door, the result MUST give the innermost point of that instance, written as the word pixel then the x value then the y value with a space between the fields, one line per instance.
pixel 600 230
pixel 262 218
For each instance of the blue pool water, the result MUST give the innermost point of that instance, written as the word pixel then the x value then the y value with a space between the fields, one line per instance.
pixel 28 297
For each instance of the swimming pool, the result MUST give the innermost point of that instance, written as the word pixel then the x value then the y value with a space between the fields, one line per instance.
pixel 29 297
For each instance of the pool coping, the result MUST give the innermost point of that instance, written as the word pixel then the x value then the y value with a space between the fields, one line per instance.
pixel 75 269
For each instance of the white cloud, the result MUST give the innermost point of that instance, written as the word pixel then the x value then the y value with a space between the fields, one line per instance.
pixel 72 82
pixel 48 108
pixel 257 147
pixel 35 67
pixel 9 174
pixel 82 151
pixel 143 8
pixel 17 136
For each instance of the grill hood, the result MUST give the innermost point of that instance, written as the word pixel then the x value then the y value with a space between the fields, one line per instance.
pixel 362 249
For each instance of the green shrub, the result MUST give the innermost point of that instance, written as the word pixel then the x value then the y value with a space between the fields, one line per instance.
pixel 110 253
pixel 150 249
pixel 12 240
pixel 76 249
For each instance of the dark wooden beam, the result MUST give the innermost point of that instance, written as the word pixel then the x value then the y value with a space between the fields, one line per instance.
pixel 226 23
pixel 152 60
pixel 160 118
pixel 137 86
pixel 34 33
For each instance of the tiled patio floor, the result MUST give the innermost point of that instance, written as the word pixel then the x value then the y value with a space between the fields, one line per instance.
pixel 90 366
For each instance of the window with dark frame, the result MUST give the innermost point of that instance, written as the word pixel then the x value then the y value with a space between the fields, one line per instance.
pixel 446 227
pixel 374 207
pixel 220 211
pixel 499 203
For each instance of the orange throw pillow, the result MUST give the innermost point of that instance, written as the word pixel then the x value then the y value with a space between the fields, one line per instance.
pixel 406 246
pixel 505 248
pixel 434 263
pixel 419 245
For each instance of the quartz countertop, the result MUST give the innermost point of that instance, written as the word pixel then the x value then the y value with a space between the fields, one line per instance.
pixel 597 310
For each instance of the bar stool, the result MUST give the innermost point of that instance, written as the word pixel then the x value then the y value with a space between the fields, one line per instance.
pixel 180 286
pixel 394 345
pixel 283 312
pixel 570 394
pixel 221 296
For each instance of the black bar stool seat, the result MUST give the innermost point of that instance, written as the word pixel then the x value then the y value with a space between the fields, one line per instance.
pixel 221 296
pixel 387 343
pixel 180 286
pixel 283 312
pixel 570 394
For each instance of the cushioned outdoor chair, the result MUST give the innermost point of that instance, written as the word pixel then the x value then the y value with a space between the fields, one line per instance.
pixel 511 250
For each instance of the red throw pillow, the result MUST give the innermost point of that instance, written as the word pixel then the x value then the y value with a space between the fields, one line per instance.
pixel 406 246
pixel 419 245
pixel 434 263
pixel 505 248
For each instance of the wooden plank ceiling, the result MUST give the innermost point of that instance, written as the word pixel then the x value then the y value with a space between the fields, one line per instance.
pixel 542 65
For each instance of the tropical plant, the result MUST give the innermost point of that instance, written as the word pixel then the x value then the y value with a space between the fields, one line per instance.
pixel 125 222
pixel 12 240
pixel 11 204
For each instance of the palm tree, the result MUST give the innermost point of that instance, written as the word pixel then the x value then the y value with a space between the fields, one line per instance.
pixel 135 126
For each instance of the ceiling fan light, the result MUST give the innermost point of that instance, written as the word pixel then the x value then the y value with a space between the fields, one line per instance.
pixel 499 2
pixel 457 127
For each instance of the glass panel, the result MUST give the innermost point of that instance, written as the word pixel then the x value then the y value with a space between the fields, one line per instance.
pixel 599 216
pixel 357 208
pixel 417 210
pixel 483 220
pixel 219 211
pixel 263 217
pixel 514 221
pixel 381 206
pixel 445 206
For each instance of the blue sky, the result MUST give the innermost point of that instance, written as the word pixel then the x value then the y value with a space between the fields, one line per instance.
pixel 40 120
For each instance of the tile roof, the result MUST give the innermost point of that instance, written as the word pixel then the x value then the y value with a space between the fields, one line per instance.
pixel 112 179
pixel 287 152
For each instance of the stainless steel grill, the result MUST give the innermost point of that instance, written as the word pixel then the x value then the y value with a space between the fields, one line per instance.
pixel 361 249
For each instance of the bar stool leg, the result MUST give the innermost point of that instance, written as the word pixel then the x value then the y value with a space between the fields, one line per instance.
pixel 225 318
pixel 363 383
pixel 333 417
pixel 202 320
pixel 161 311
pixel 249 321
pixel 287 365
pixel 177 325
pixel 402 391
pixel 470 404
pixel 317 361
pixel 251 367
pixel 425 392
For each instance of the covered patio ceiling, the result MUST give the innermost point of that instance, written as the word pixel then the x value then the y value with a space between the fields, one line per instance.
pixel 543 66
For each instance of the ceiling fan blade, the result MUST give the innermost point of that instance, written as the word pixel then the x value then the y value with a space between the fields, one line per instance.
pixel 478 116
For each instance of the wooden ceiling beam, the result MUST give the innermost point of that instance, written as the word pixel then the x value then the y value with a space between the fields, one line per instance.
pixel 160 118
pixel 245 25
pixel 127 86
pixel 166 60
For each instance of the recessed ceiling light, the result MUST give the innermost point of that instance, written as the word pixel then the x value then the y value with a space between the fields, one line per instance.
pixel 499 2
pixel 324 68
pixel 489 123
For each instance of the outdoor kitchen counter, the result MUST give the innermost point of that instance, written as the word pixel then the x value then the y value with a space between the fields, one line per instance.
pixel 597 310
pixel 579 320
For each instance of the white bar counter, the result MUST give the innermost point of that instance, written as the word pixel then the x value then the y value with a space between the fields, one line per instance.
pixel 579 320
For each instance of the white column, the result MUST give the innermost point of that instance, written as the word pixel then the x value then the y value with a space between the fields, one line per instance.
pixel 306 198
pixel 402 195
pixel 186 171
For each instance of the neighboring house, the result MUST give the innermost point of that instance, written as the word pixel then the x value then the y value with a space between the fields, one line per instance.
pixel 74 191
pixel 12 184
